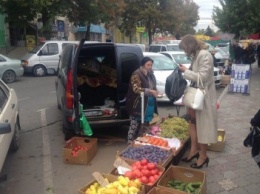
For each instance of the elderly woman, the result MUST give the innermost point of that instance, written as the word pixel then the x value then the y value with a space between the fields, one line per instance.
pixel 203 123
pixel 142 80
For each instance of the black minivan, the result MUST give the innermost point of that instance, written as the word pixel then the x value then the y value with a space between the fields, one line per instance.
pixel 95 75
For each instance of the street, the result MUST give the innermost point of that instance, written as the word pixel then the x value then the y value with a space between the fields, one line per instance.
pixel 38 166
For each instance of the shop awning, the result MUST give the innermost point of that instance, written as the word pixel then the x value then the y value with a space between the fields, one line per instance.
pixel 93 28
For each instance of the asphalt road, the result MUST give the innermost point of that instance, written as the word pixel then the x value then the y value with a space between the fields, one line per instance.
pixel 37 167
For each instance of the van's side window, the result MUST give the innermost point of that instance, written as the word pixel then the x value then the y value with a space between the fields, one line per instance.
pixel 129 63
pixel 50 49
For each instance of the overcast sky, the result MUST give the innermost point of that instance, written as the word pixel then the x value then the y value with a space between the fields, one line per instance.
pixel 205 13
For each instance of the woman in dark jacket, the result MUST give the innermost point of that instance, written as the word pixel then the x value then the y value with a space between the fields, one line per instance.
pixel 142 80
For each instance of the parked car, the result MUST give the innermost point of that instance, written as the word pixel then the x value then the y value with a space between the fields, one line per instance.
pixel 10 69
pixel 162 67
pixel 9 122
pixel 44 58
pixel 96 76
pixel 181 58
pixel 164 47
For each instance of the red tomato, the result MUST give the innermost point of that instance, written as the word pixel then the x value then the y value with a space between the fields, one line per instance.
pixel 154 171
pixel 144 162
pixel 156 176
pixel 144 180
pixel 144 167
pixel 129 174
pixel 150 166
pixel 138 163
pixel 146 173
pixel 137 173
pixel 152 179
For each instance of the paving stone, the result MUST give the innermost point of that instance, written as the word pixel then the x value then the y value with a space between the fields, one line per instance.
pixel 227 184
pixel 221 160
pixel 252 189
pixel 238 190
pixel 241 181
pixel 214 188
pixel 230 175
pixel 224 192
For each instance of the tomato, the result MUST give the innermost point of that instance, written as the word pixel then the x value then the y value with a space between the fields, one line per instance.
pixel 144 180
pixel 150 166
pixel 154 171
pixel 152 179
pixel 137 173
pixel 146 173
pixel 129 174
pixel 156 176
pixel 144 162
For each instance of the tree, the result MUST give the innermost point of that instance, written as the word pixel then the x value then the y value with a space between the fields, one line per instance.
pixel 209 32
pixel 22 13
pixel 238 16
pixel 159 16
pixel 85 13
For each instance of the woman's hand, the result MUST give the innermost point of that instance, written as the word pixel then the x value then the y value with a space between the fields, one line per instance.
pixel 182 68
pixel 153 93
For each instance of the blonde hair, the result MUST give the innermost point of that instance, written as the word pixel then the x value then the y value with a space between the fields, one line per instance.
pixel 190 45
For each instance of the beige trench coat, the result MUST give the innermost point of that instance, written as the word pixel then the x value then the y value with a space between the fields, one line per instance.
pixel 206 119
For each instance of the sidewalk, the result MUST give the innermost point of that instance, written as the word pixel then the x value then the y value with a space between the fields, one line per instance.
pixel 234 171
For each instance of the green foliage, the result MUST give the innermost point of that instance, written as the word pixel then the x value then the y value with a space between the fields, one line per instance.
pixel 241 17
pixel 160 16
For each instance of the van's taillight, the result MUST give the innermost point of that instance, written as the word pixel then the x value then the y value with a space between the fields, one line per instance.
pixel 24 63
pixel 69 90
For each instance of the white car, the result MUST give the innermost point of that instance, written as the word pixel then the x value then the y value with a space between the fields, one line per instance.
pixel 10 69
pixel 9 122
pixel 180 57
pixel 162 67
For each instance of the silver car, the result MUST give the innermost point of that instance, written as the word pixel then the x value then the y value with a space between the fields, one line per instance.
pixel 10 69
pixel 9 122
pixel 162 67
pixel 180 57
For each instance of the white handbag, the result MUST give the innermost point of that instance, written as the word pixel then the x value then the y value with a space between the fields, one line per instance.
pixel 194 97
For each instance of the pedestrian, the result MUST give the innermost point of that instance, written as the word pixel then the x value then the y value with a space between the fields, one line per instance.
pixel 258 54
pixel 142 80
pixel 213 52
pixel 239 53
pixel 202 123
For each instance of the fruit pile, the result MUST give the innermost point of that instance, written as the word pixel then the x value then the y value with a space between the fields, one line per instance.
pixel 151 153
pixel 75 149
pixel 146 172
pixel 122 186
pixel 174 127
pixel 193 187
pixel 156 141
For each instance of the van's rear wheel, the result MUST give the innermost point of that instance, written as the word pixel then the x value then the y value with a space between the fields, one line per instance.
pixel 39 71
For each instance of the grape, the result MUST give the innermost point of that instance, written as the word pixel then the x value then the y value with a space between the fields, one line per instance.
pixel 174 127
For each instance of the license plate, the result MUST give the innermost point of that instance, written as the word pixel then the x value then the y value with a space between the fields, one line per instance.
pixel 93 113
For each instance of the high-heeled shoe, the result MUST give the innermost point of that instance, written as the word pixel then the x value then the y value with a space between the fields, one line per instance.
pixel 188 160
pixel 195 165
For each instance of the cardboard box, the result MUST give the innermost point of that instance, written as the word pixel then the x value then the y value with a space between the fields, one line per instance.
pixel 130 162
pixel 183 174
pixel 157 190
pixel 225 79
pixel 83 156
pixel 220 145
pixel 164 163
pixel 111 178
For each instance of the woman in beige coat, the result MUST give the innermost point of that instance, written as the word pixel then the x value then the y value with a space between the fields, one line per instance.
pixel 203 123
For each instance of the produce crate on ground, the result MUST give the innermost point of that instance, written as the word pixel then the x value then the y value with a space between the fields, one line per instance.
pixel 79 150
pixel 148 173
pixel 152 153
pixel 220 145
pixel 157 190
pixel 181 179
pixel 116 186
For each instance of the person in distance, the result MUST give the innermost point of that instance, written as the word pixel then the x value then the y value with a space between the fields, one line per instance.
pixel 203 123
